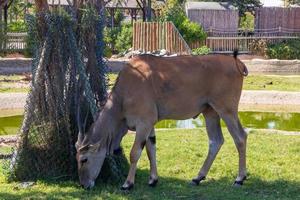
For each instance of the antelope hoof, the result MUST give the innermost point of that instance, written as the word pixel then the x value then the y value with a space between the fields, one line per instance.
pixel 153 182
pixel 196 181
pixel 240 182
pixel 127 186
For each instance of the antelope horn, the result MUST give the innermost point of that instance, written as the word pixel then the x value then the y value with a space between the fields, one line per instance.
pixel 78 98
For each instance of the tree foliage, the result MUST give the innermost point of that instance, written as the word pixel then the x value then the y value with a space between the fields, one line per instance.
pixel 190 31
pixel 285 50
pixel 247 21
pixel 124 38
pixel 293 2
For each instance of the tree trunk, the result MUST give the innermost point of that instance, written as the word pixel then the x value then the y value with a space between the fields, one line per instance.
pixel 41 9
pixel 148 9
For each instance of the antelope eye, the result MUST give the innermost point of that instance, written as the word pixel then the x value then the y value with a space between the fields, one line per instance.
pixel 83 161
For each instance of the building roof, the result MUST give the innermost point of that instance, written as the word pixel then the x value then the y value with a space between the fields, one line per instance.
pixel 209 6
pixel 272 3
pixel 56 2
pixel 113 4
pixel 123 4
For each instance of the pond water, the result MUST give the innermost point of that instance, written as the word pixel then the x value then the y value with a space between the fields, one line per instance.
pixel 259 120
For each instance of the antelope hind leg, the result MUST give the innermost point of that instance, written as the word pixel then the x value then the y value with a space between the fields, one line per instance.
pixel 240 139
pixel 216 140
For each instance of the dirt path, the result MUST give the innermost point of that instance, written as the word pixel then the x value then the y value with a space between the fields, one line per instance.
pixel 12 100
pixel 270 97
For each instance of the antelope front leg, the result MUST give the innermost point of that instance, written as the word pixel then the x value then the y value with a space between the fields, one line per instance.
pixel 141 136
pixel 151 152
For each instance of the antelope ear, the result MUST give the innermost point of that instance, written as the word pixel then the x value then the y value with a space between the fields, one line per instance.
pixel 95 147
pixel 84 148
pixel 77 146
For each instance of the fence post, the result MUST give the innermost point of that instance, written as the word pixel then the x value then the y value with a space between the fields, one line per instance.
pixel 210 32
pixel 279 30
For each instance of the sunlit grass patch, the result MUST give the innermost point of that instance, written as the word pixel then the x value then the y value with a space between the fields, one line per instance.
pixel 273 166
pixel 272 82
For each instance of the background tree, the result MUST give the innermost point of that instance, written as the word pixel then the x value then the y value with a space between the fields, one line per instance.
pixel 293 2
pixel 145 6
pixel 190 31
pixel 66 92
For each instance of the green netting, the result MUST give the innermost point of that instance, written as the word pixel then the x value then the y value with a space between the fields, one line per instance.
pixel 62 81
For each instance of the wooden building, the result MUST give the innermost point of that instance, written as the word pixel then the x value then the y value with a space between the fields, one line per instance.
pixel 267 18
pixel 213 15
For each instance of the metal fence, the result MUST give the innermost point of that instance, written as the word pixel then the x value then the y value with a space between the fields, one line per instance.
pixel 154 36
pixel 225 41
pixel 13 42
pixel 242 43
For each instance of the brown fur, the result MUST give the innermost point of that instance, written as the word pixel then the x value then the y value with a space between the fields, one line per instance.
pixel 150 89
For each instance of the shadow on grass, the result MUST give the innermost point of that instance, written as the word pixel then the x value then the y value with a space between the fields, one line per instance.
pixel 168 188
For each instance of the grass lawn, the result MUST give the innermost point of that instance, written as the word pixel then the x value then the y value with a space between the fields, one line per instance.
pixel 272 82
pixel 13 83
pixel 5 149
pixel 273 166
pixel 252 82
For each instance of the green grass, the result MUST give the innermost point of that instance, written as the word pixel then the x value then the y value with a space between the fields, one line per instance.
pixel 112 77
pixel 252 82
pixel 273 166
pixel 13 83
pixel 5 149
pixel 272 82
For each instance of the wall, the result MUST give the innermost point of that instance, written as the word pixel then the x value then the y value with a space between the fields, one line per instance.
pixel 217 19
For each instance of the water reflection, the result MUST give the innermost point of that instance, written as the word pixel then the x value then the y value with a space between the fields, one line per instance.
pixel 262 120
pixel 265 120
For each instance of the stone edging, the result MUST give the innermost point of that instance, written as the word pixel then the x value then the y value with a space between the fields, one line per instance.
pixel 273 66
pixel 15 65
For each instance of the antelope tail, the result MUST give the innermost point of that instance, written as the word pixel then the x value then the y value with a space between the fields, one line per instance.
pixel 240 66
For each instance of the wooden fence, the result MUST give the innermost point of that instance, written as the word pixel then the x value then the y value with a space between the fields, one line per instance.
pixel 272 17
pixel 14 42
pixel 154 36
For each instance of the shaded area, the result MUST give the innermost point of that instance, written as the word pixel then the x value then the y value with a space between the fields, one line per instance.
pixel 169 188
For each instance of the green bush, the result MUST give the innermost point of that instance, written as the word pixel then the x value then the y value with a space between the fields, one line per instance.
pixel 247 21
pixel 190 31
pixel 258 47
pixel 17 26
pixel 204 50
pixel 124 38
pixel 110 37
pixel 285 50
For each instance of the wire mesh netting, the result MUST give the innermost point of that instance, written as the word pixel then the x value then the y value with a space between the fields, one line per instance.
pixel 62 81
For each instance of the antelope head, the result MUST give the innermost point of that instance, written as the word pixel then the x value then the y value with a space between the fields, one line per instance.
pixel 90 158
